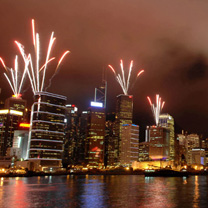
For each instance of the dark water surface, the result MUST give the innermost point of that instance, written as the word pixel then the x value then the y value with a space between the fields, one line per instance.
pixel 104 191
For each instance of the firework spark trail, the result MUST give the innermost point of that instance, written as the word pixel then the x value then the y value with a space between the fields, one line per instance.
pixel 120 78
pixel 14 82
pixel 36 73
pixel 2 61
pixel 52 39
pixel 156 108
pixel 60 60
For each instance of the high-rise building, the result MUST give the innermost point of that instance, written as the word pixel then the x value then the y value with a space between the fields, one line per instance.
pixel 82 138
pixel 158 143
pixel 47 134
pixel 71 130
pixel 198 157
pixel 16 103
pixel 110 141
pixel 124 115
pixel 144 151
pixel 101 93
pixel 129 151
pixel 181 150
pixel 94 146
pixel 167 121
pixel 20 142
pixel 193 142
pixel 9 122
pixel 13 113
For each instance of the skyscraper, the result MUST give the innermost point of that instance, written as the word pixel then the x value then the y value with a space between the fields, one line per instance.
pixel 94 147
pixel 9 122
pixel 16 103
pixel 124 115
pixel 192 143
pixel 167 121
pixel 47 134
pixel 110 141
pixel 71 130
pixel 158 143
pixel 20 141
pixel 129 151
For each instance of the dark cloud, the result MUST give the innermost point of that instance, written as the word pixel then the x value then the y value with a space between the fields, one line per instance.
pixel 198 70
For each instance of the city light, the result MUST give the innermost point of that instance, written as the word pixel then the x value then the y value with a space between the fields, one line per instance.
pixel 25 125
pixel 96 104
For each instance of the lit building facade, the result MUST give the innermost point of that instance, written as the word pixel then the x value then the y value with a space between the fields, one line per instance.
pixel 82 138
pixel 9 122
pixel 181 149
pixel 124 115
pixel 110 142
pixel 167 121
pixel 193 142
pixel 47 134
pixel 144 151
pixel 198 157
pixel 129 148
pixel 94 146
pixel 158 143
pixel 17 103
pixel 71 131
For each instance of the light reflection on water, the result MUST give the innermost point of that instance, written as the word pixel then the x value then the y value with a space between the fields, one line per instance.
pixel 104 191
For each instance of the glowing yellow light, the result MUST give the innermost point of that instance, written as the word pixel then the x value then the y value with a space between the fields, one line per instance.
pixel 25 125
pixel 4 111
pixel 17 95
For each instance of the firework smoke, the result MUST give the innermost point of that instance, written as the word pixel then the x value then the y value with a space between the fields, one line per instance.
pixel 157 108
pixel 121 79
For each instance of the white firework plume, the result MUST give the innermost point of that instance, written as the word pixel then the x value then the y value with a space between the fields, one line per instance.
pixel 36 73
pixel 156 108
pixel 15 77
pixel 121 79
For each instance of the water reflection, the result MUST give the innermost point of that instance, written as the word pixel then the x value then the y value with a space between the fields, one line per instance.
pixel 94 194
pixel 196 194
pixel 103 192
pixel 184 180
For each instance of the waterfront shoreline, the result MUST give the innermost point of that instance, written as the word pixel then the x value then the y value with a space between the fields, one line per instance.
pixel 32 174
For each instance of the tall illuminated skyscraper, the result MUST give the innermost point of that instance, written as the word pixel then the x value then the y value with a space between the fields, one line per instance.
pixel 124 115
pixel 94 147
pixel 71 130
pixel 9 122
pixel 167 121
pixel 47 134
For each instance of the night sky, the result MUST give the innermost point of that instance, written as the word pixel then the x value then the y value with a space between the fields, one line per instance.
pixel 169 39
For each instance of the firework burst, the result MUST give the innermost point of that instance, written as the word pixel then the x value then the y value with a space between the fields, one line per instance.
pixel 156 108
pixel 36 73
pixel 14 76
pixel 121 78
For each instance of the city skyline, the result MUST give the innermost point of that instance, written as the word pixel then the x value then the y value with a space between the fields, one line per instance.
pixel 175 63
